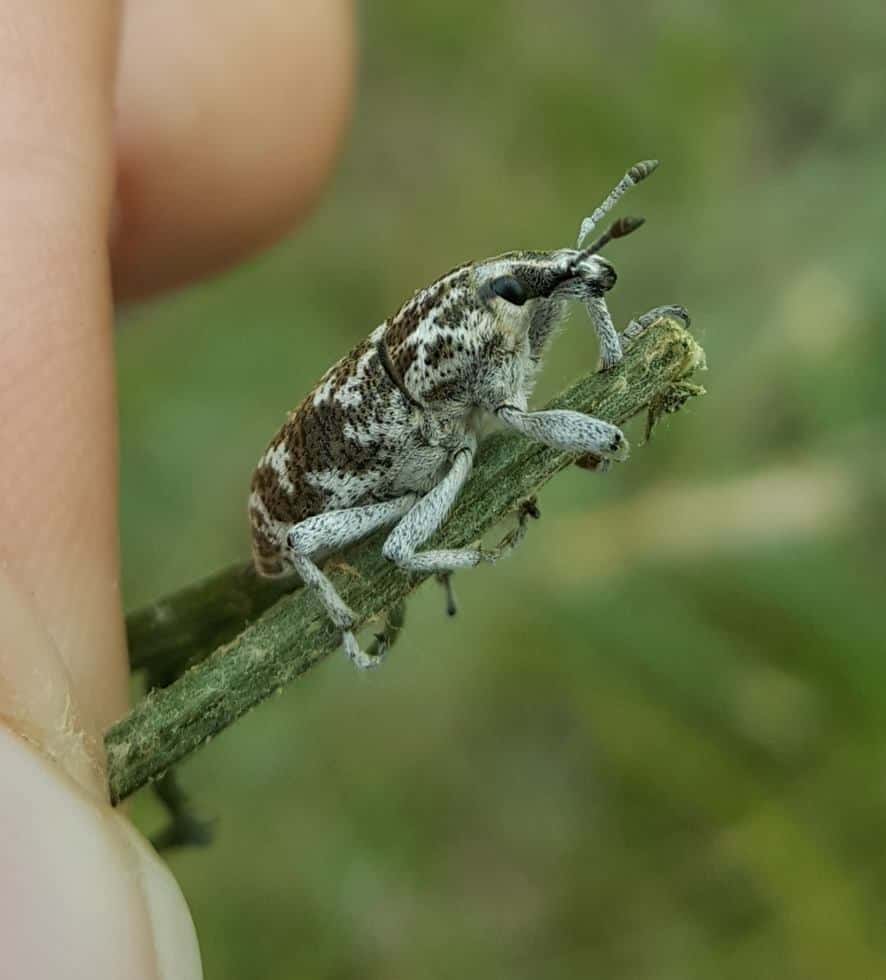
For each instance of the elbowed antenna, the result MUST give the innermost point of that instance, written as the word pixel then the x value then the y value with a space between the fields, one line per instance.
pixel 639 171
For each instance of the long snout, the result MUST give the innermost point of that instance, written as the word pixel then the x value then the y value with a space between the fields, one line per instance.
pixel 607 275
pixel 595 274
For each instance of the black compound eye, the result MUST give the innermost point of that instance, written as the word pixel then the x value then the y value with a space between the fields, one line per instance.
pixel 510 289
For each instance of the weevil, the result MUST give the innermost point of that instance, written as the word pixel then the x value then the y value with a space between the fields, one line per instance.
pixel 387 437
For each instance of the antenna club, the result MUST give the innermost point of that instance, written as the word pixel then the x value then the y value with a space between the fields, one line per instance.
pixel 640 171
pixel 618 229
pixel 624 226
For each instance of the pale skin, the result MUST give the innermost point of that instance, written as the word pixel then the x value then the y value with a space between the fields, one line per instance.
pixel 116 148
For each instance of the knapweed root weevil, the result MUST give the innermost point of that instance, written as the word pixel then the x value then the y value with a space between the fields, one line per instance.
pixel 388 435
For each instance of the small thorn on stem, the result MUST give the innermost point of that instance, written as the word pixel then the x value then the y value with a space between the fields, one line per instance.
pixel 529 508
pixel 445 579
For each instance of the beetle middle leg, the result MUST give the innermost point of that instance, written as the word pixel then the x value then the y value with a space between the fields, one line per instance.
pixel 428 515
pixel 330 532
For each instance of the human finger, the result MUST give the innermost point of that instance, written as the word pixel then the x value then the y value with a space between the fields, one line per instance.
pixel 228 119
pixel 83 894
pixel 58 467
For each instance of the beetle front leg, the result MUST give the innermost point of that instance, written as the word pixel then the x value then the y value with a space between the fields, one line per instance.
pixel 571 432
pixel 613 344
pixel 610 346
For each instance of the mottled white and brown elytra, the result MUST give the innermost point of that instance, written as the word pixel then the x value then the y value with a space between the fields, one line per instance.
pixel 388 435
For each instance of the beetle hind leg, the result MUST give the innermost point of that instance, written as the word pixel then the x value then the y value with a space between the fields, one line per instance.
pixel 328 533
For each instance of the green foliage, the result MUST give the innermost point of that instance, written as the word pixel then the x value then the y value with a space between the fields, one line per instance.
pixel 651 744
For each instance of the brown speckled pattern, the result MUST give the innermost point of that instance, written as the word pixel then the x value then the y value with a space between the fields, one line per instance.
pixel 357 439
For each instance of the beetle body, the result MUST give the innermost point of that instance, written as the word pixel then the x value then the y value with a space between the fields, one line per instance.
pixel 385 419
pixel 387 436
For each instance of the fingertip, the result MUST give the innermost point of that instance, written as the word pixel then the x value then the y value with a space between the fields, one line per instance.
pixel 38 702
pixel 227 134
pixel 175 941
pixel 67 903
pixel 83 894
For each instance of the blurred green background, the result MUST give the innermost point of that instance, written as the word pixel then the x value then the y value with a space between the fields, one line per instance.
pixel 653 744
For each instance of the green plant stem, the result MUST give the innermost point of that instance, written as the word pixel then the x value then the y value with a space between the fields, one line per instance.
pixel 294 633
pixel 180 629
